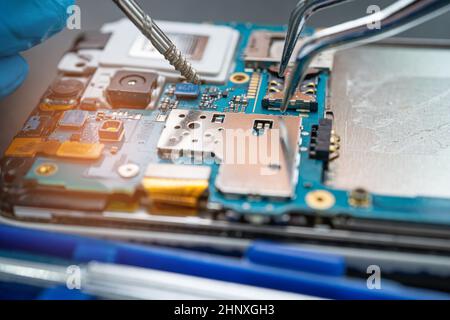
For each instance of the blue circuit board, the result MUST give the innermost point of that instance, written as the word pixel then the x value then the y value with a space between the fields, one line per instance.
pixel 142 135
pixel 417 209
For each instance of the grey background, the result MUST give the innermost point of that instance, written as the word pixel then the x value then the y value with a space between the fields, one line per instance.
pixel 43 59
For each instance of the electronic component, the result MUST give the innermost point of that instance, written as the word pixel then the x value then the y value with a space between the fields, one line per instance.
pixel 186 91
pixel 33 124
pixel 207 100
pixel 304 97
pixel 237 104
pixel 129 89
pixel 29 147
pixel 210 96
pixel 321 145
pixel 36 126
pixel 360 197
pixel 253 88
pixel 167 103
pixel 259 53
pixel 63 94
pixel 209 48
pixel 176 185
pixel 264 49
pixel 111 130
pixel 213 92
pixel 73 119
pixel 229 139
pixel 95 96
pixel 83 168
pixel 78 150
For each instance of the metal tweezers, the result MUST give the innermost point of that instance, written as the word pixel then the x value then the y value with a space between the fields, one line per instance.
pixel 396 18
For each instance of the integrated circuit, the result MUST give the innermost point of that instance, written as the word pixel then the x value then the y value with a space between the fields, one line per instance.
pixel 111 130
pixel 73 119
pixel 36 126
pixel 186 91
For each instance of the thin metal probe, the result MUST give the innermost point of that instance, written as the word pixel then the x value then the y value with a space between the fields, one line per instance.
pixel 113 281
pixel 158 38
pixel 398 17
pixel 297 21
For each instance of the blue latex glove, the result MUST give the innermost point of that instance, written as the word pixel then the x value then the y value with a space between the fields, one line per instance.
pixel 24 24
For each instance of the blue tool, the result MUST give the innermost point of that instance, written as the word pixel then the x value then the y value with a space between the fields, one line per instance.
pixel 256 269
pixel 287 257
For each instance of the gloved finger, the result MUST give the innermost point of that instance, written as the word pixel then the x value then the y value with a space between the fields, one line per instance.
pixel 14 70
pixel 26 23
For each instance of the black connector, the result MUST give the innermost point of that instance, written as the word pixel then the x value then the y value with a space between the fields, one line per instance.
pixel 319 148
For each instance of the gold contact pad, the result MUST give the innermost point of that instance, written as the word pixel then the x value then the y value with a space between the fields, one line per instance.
pixel 29 147
pixel 177 192
pixel 79 150
pixel 46 107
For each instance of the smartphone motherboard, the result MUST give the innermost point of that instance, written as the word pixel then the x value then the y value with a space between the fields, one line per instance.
pixel 119 139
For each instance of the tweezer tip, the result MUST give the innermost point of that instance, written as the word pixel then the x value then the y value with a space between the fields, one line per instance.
pixel 284 103
pixel 289 85
pixel 281 70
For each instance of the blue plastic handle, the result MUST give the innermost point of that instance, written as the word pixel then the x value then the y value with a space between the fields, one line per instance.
pixel 288 257
pixel 241 271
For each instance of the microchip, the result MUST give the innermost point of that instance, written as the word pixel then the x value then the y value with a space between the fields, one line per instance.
pixel 73 119
pixel 35 126
pixel 32 124
pixel 187 91
pixel 111 130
